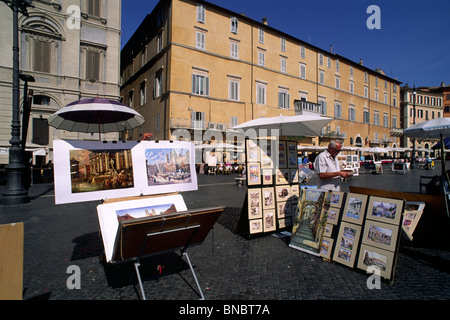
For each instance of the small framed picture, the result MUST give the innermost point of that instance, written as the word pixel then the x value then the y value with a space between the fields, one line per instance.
pixel 285 222
pixel 282 155
pixel 336 199
pixel 281 176
pixel 283 192
pixel 326 247
pixel 268 198
pixel 377 260
pixel 254 203
pixel 252 151
pixel 347 244
pixel 267 176
pixel 355 207
pixel 294 176
pixel 253 174
pixel 385 210
pixel 265 147
pixel 328 230
pixel 256 226
pixel 380 235
pixel 292 155
pixel 332 215
pixel 269 220
pixel 284 209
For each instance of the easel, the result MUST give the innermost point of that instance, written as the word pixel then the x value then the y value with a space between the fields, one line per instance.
pixel 155 235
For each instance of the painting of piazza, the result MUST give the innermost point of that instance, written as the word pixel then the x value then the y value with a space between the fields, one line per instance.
pixel 127 214
pixel 167 166
pixel 372 258
pixel 100 170
pixel 384 210
pixel 354 208
pixel 379 235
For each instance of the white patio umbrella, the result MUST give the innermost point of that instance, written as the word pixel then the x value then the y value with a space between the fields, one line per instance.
pixel 435 128
pixel 96 115
pixel 301 125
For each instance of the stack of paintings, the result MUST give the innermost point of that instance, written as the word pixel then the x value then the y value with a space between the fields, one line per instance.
pixel 272 180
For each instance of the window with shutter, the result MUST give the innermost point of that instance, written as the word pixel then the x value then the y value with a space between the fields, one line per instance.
pixel 94 8
pixel 40 131
pixel 92 65
pixel 41 56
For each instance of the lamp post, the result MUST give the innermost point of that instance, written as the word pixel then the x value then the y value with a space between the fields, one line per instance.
pixel 16 193
pixel 413 158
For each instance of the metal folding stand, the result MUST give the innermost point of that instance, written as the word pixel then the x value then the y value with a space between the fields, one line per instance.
pixel 137 264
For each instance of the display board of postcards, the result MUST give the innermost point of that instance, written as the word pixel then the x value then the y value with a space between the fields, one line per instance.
pixel 272 184
pixel 356 230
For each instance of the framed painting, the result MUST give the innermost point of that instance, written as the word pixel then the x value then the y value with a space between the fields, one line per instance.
pixel 253 174
pixel 332 215
pixel 355 206
pixel 253 154
pixel 267 176
pixel 285 222
pixel 94 170
pixel 268 198
pixel 326 247
pixel 282 155
pixel 293 176
pixel 165 166
pixel 254 203
pixel 281 176
pixel 372 259
pixel 284 209
pixel 347 244
pixel 411 216
pixel 336 199
pixel 283 192
pixel 292 155
pixel 385 210
pixel 256 226
pixel 269 217
pixel 265 147
pixel 328 230
pixel 380 235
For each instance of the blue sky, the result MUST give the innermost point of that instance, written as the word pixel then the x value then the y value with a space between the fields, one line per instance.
pixel 412 45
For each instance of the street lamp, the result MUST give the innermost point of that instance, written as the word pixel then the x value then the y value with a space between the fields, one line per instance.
pixel 16 193
pixel 413 159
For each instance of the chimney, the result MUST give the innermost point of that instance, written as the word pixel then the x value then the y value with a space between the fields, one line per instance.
pixel 264 20
pixel 361 62
pixel 331 48
pixel 442 84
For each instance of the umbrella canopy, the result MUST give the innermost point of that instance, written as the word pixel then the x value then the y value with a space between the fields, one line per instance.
pixel 446 144
pixel 301 125
pixel 95 115
pixel 435 128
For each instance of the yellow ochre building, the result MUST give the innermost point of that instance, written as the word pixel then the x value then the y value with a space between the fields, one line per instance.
pixel 193 66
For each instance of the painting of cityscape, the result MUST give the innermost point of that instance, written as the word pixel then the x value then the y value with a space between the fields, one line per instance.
pixel 94 170
pixel 385 210
pixel 167 166
pixel 133 213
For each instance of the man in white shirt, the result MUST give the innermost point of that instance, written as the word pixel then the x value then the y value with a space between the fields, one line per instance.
pixel 328 168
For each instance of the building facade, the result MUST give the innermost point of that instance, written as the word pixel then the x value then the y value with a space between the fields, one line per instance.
pixel 193 66
pixel 72 49
pixel 418 105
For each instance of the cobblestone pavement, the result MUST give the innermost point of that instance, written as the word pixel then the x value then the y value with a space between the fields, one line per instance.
pixel 228 266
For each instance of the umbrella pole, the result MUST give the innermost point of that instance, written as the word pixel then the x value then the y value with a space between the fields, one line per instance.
pixel 99 134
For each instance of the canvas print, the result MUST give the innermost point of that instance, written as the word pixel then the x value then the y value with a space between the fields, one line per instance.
pixel 336 199
pixel 326 247
pixel 371 257
pixel 347 244
pixel 268 198
pixel 147 211
pixel 355 207
pixel 254 203
pixel 380 235
pixel 309 222
pixel 253 174
pixel 385 210
pixel 269 220
pixel 332 215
